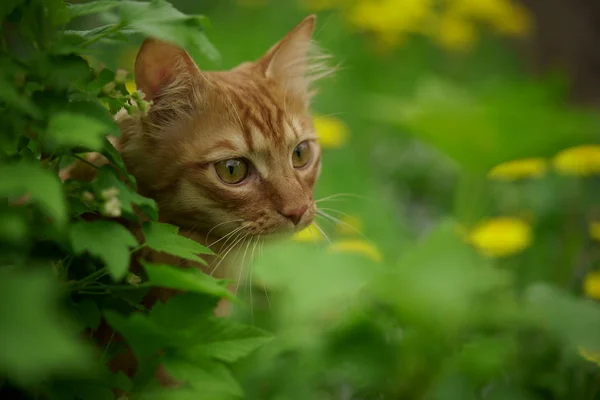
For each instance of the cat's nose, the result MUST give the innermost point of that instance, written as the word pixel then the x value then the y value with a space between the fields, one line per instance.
pixel 295 215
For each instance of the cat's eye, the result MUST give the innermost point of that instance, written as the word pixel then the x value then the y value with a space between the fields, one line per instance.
pixel 301 155
pixel 232 171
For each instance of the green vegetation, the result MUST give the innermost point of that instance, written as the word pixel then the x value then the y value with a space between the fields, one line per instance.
pixel 464 264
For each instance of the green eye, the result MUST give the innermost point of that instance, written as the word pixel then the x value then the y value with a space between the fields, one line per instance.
pixel 232 171
pixel 301 155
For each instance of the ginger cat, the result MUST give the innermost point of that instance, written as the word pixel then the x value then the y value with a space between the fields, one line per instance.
pixel 223 153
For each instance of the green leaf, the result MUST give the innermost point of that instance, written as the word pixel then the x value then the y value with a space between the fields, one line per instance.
pixel 441 283
pixel 94 7
pixel 73 130
pixel 35 338
pixel 144 337
pixel 188 279
pixel 224 340
pixel 208 377
pixel 161 20
pixel 10 96
pixel 107 178
pixel 88 313
pixel 109 241
pixel 576 321
pixel 42 187
pixel 165 238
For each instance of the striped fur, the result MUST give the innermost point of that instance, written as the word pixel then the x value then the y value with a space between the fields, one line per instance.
pixel 258 111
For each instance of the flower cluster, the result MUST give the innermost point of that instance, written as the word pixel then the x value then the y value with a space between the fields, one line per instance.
pixel 451 23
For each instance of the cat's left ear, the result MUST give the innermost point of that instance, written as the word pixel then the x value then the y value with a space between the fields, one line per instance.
pixel 288 61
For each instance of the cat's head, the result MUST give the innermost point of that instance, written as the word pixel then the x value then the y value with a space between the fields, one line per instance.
pixel 222 150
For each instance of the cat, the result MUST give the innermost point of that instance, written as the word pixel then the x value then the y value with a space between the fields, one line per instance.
pixel 226 155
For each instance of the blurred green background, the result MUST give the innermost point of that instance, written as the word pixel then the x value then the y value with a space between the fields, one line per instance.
pixel 457 255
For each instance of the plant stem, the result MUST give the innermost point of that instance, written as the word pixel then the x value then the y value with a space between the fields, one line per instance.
pixel 83 160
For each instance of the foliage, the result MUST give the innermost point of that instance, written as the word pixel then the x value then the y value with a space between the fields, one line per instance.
pixel 67 246
pixel 475 185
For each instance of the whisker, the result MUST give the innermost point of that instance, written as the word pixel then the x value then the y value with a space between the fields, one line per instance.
pixel 322 232
pixel 339 221
pixel 239 228
pixel 239 238
pixel 242 267
pixel 222 223
pixel 335 196
pixel 250 283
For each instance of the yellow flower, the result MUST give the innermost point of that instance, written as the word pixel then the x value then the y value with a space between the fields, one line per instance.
pixel 390 17
pixel 309 234
pixel 358 247
pixel 332 132
pixel 591 285
pixel 349 225
pixel 591 356
pixel 130 86
pixel 502 236
pixel 456 33
pixel 580 160
pixel 519 169
pixel 505 16
pixel 594 230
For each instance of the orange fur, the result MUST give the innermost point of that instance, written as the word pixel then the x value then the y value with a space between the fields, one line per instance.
pixel 258 111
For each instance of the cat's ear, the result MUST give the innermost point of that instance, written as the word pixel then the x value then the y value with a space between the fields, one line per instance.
pixel 288 62
pixel 159 64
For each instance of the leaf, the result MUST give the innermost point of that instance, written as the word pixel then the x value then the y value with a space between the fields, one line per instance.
pixel 223 340
pixel 10 96
pixel 209 377
pixel 72 130
pixel 144 337
pixel 175 315
pixel 161 20
pixel 575 321
pixel 109 241
pixel 35 339
pixel 188 279
pixel 441 282
pixel 107 178
pixel 165 238
pixel 88 313
pixel 79 10
pixel 42 187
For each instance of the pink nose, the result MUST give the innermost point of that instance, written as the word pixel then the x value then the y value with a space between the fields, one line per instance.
pixel 295 215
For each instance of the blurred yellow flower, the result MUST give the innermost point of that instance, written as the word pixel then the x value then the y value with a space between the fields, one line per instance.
pixel 591 356
pixel 456 33
pixel 309 234
pixel 349 225
pixel 130 86
pixel 580 160
pixel 390 17
pixel 594 230
pixel 332 131
pixel 591 285
pixel 358 247
pixel 519 169
pixel 506 16
pixel 502 236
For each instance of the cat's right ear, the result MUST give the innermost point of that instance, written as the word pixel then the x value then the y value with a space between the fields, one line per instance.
pixel 159 64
